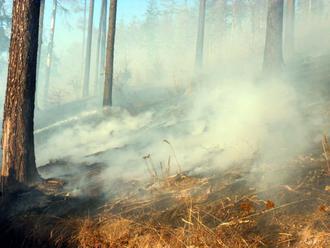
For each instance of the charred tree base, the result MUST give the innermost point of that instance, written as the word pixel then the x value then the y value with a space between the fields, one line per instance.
pixel 10 185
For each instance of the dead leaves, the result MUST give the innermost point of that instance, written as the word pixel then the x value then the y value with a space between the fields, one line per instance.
pixel 269 204
pixel 324 208
pixel 247 207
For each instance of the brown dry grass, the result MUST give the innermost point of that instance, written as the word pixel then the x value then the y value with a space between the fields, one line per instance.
pixel 190 211
pixel 184 211
pixel 113 231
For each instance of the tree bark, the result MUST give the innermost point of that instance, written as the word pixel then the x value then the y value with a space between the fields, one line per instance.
pixel 41 27
pixel 50 52
pixel 84 41
pixel 100 39
pixel 84 27
pixel 273 54
pixel 108 82
pixel 88 49
pixel 18 157
pixel 103 43
pixel 290 28
pixel 200 35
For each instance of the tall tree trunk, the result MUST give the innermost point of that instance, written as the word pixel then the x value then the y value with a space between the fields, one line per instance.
pixel 84 27
pixel 273 54
pixel 102 31
pixel 290 28
pixel 83 40
pixel 50 51
pixel 41 27
pixel 18 158
pixel 108 82
pixel 88 49
pixel 200 35
pixel 103 43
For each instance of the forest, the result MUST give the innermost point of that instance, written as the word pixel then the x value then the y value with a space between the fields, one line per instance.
pixel 165 123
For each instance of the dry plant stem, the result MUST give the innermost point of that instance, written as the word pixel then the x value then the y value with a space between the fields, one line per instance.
pixel 155 230
pixel 277 208
pixel 208 230
pixel 243 220
pixel 176 159
pixel 168 166
pixel 148 169
pixel 326 151
pixel 162 170
pixel 151 167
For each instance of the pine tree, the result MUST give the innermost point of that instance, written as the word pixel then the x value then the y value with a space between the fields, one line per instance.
pixel 273 54
pixel 108 82
pixel 100 45
pixel 200 35
pixel 88 49
pixel 50 51
pixel 18 157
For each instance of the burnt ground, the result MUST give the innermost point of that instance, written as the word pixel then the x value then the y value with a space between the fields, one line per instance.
pixel 236 207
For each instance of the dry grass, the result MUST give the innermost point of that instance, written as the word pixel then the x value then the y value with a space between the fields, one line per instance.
pixel 194 231
pixel 187 211
pixel 184 211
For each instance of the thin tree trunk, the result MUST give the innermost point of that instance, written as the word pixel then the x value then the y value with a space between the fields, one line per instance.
pixel 108 82
pixel 200 35
pixel 290 28
pixel 102 23
pixel 84 41
pixel 50 51
pixel 88 49
pixel 273 54
pixel 103 44
pixel 18 157
pixel 41 27
pixel 84 27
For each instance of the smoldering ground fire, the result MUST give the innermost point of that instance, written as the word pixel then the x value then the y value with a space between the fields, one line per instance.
pixel 201 124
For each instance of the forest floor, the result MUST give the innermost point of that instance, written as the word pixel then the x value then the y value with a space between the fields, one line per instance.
pixel 223 209
pixel 84 202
